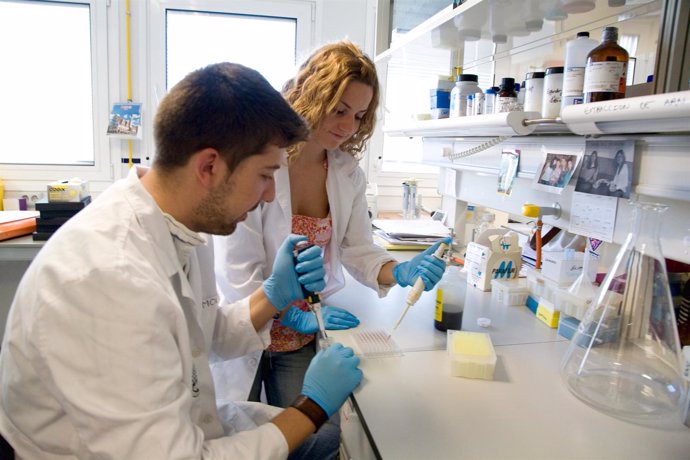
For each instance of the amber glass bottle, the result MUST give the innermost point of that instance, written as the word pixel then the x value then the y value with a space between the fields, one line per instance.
pixel 606 69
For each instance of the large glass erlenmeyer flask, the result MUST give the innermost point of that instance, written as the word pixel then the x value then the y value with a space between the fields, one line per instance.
pixel 625 358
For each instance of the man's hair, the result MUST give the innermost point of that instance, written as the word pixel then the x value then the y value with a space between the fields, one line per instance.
pixel 225 106
pixel 320 83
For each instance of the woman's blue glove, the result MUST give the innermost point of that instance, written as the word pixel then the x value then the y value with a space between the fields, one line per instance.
pixel 331 377
pixel 305 321
pixel 424 266
pixel 283 286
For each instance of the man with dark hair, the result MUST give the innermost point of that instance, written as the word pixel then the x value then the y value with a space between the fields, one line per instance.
pixel 106 349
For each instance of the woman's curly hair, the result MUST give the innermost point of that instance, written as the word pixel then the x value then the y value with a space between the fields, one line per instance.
pixel 320 83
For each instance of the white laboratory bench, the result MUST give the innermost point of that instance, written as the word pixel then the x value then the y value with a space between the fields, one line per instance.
pixel 409 407
pixel 22 248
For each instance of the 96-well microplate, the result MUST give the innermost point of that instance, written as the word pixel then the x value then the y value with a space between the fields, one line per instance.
pixel 376 343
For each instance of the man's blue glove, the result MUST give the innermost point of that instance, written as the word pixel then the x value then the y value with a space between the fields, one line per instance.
pixel 424 266
pixel 334 319
pixel 283 286
pixel 331 377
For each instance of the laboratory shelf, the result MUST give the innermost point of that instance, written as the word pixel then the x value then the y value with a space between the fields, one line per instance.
pixel 533 24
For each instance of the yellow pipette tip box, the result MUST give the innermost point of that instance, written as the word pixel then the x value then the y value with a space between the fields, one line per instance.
pixel 472 355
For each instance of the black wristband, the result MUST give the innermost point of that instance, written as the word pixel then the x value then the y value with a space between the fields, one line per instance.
pixel 312 410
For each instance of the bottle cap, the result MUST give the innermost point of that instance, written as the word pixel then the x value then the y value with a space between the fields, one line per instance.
pixel 496 88
pixel 553 70
pixel 468 77
pixel 609 34
pixel 490 91
pixel 534 25
pixel 500 39
pixel 583 34
pixel 517 87
pixel 531 75
pixel 508 82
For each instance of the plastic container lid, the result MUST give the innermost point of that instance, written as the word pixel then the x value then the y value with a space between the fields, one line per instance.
pixel 490 91
pixel 531 75
pixel 554 70
pixel 483 322
pixel 467 77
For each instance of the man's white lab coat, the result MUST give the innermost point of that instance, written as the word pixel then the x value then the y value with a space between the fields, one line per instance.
pixel 105 354
pixel 245 258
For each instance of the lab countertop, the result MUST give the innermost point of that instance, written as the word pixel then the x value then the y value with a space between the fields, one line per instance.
pixel 22 248
pixel 414 409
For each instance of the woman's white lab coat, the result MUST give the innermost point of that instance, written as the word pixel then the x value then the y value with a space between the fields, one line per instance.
pixel 106 349
pixel 245 258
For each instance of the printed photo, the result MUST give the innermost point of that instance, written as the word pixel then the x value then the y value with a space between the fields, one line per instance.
pixel 556 171
pixel 607 168
pixel 125 120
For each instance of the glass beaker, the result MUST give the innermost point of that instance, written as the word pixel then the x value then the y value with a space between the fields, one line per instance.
pixel 625 358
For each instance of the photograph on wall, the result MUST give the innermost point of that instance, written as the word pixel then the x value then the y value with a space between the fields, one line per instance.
pixel 556 170
pixel 510 162
pixel 125 120
pixel 607 168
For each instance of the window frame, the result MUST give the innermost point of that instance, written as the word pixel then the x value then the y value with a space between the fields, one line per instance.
pixel 303 11
pixel 102 168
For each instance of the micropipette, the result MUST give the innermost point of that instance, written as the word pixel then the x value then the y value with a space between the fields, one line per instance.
pixel 313 299
pixel 416 291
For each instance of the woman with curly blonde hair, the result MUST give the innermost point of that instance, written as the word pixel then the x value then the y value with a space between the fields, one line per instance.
pixel 320 193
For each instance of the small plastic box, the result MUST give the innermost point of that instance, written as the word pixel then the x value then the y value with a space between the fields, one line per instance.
pixel 509 292
pixel 472 355
pixel 439 99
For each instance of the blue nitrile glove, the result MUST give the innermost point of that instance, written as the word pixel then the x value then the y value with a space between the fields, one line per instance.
pixel 283 286
pixel 423 265
pixel 331 377
pixel 305 322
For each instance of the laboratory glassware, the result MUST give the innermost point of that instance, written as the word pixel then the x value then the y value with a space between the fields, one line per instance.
pixel 450 299
pixel 605 71
pixel 624 359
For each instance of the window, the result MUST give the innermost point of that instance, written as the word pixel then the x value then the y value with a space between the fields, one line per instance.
pixel 264 43
pixel 269 36
pixel 51 115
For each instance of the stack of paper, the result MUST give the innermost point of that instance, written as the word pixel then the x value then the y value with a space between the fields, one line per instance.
pixel 412 234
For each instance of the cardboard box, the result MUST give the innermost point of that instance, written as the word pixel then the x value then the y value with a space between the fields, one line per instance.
pixel 71 191
pixel 439 99
pixel 499 260
pixel 562 266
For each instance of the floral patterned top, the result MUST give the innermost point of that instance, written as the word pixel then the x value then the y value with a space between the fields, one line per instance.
pixel 318 231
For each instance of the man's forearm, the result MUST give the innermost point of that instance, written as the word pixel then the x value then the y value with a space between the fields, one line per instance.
pixel 260 309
